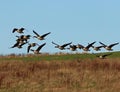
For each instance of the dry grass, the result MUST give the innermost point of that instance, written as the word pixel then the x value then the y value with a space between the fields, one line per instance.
pixel 60 76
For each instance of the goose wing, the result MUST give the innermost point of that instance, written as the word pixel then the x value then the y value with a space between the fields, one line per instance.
pixel 15 29
pixel 28 48
pixel 36 33
pixel 64 45
pixel 38 49
pixel 107 54
pixel 80 46
pixel 103 44
pixel 90 45
pixel 45 34
pixel 113 45
pixel 55 43
pixel 22 29
pixel 15 45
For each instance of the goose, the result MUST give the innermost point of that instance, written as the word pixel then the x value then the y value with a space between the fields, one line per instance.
pixel 87 47
pixel 38 49
pixel 108 47
pixel 103 56
pixel 18 30
pixel 23 38
pixel 72 47
pixel 40 37
pixel 26 36
pixel 61 47
pixel 79 46
pixel 19 45
pixel 31 45
pixel 98 48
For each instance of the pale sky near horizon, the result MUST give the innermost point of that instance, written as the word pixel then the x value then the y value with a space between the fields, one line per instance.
pixel 79 21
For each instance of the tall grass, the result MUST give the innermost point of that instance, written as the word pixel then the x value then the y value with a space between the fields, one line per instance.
pixel 77 75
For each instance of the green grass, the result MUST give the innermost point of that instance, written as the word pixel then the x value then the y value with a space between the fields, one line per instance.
pixel 55 57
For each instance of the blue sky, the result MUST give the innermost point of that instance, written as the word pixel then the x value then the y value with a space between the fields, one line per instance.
pixel 79 21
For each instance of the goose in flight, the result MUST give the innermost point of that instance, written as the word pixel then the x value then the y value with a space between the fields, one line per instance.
pixel 38 49
pixel 73 47
pixel 79 46
pixel 40 37
pixel 98 48
pixel 18 30
pixel 23 38
pixel 31 45
pixel 103 56
pixel 87 47
pixel 61 47
pixel 108 47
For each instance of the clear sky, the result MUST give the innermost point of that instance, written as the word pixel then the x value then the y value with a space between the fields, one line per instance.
pixel 79 21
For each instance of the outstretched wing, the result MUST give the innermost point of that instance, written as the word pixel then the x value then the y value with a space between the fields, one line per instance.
pixel 38 49
pixel 15 45
pixel 55 43
pixel 64 45
pixel 80 46
pixel 36 33
pixel 45 35
pixel 22 29
pixel 90 45
pixel 107 55
pixel 14 30
pixel 113 45
pixel 103 44
pixel 28 48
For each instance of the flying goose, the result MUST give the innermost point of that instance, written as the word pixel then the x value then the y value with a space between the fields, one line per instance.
pixel 72 47
pixel 103 56
pixel 23 38
pixel 61 47
pixel 38 49
pixel 18 30
pixel 98 48
pixel 79 46
pixel 108 47
pixel 87 47
pixel 31 45
pixel 40 37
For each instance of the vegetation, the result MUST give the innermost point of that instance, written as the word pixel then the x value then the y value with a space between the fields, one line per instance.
pixel 57 73
pixel 52 57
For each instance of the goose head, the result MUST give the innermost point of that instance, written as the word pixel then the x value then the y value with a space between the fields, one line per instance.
pixel 57 46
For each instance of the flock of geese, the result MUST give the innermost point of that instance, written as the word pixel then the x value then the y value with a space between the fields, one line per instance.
pixel 24 39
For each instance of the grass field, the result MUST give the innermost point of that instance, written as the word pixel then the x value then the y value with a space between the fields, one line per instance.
pixel 57 73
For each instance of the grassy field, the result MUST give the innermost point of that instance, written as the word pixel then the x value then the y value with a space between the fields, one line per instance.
pixel 61 72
